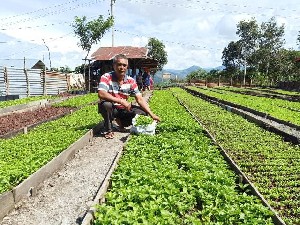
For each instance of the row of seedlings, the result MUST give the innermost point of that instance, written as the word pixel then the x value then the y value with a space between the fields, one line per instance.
pixel 269 91
pixel 176 176
pixel 260 93
pixel 269 162
pixel 277 108
pixel 24 154
pixel 20 101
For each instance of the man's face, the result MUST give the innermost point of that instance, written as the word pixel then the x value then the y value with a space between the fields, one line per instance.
pixel 120 67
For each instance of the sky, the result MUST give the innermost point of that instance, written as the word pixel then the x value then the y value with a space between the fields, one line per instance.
pixel 194 32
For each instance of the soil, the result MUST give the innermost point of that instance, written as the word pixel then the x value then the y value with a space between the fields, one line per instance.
pixel 12 123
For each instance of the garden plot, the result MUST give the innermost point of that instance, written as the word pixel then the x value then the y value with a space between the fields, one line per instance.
pixel 271 164
pixel 176 176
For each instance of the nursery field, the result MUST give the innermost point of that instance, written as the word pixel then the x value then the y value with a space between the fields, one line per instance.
pixel 178 175
pixel 269 162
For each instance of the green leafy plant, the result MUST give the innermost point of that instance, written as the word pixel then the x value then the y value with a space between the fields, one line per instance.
pixel 176 177
pixel 269 162
pixel 143 120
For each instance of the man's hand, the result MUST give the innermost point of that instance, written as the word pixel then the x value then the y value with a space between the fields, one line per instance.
pixel 126 104
pixel 128 107
pixel 155 117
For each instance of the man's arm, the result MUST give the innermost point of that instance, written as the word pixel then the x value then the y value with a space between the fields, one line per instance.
pixel 144 105
pixel 108 97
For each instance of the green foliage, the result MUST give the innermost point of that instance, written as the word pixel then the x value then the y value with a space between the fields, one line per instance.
pixel 176 177
pixel 199 74
pixel 62 69
pixel 156 51
pixel 79 101
pixel 278 108
pixel 143 120
pixel 231 57
pixel 91 32
pixel 20 101
pixel 270 163
pixel 259 48
pixel 24 154
pixel 80 69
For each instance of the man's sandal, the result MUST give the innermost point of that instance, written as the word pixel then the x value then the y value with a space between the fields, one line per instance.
pixel 109 135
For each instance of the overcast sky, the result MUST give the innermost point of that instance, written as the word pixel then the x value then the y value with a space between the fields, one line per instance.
pixel 194 32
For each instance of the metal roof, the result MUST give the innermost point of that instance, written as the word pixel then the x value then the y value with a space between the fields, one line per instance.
pixel 107 53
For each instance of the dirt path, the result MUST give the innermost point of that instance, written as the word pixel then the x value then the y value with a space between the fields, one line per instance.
pixel 66 196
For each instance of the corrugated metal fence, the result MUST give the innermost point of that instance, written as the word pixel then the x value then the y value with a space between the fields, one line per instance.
pixel 32 82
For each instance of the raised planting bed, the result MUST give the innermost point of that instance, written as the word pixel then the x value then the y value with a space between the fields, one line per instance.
pixel 33 114
pixel 263 93
pixel 15 123
pixel 177 176
pixel 263 156
pixel 290 132
pixel 276 109
pixel 25 154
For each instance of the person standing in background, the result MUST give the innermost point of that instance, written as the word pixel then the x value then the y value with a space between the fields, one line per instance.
pixel 146 79
pixel 139 80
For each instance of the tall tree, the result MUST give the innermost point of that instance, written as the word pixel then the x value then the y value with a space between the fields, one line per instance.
pixel 156 51
pixel 197 75
pixel 91 32
pixel 288 67
pixel 248 31
pixel 231 59
pixel 270 43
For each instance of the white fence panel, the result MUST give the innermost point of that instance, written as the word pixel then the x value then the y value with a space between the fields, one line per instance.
pixel 36 82
pixel 16 82
pixel 56 83
pixel 32 82
pixel 2 82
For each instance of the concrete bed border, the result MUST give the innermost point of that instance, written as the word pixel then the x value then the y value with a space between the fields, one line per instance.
pixel 27 188
pixel 99 198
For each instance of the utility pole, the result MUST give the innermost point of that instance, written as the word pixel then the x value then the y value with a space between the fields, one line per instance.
pixel 113 28
pixel 48 52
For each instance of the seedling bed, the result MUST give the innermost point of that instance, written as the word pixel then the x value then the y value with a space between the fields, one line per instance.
pixel 16 123
pixel 263 156
pixel 290 132
pixel 177 176
pixel 243 178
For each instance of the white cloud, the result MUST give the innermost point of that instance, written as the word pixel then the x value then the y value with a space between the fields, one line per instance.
pixel 194 32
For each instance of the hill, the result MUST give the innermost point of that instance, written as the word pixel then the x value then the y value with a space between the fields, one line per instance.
pixel 180 74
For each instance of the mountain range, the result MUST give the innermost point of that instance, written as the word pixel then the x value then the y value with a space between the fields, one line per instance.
pixel 181 74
